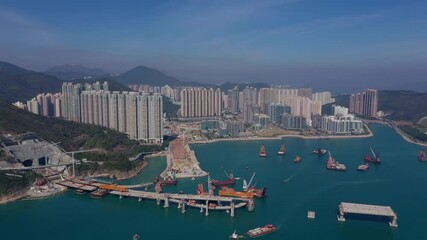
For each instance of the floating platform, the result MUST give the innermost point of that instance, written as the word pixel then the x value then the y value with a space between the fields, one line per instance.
pixel 367 210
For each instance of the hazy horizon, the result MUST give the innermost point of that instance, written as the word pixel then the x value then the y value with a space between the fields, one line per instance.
pixel 327 45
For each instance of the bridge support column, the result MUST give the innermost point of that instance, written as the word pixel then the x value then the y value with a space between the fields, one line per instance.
pixel 207 208
pixel 166 203
pixel 232 209
pixel 340 217
pixel 158 201
pixel 393 222
pixel 139 199
pixel 183 206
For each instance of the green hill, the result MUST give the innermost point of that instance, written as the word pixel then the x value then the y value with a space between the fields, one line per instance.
pixel 145 75
pixel 18 84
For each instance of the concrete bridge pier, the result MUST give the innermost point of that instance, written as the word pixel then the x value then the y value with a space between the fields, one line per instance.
pixel 207 208
pixel 183 206
pixel 166 203
pixel 232 209
pixel 158 201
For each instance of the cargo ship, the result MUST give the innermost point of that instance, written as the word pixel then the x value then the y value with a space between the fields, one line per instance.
pixel 422 156
pixel 363 167
pixel 297 159
pixel 230 192
pixel 169 180
pixel 230 181
pixel 260 231
pixel 320 151
pixel 331 164
pixel 282 150
pixel 262 152
pixel 372 159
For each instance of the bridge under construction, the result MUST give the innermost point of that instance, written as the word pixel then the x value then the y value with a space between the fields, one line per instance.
pixel 204 202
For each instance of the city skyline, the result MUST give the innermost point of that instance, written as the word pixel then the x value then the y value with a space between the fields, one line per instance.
pixel 319 44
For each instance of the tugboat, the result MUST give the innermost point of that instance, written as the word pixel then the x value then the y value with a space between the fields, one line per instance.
pixel 297 159
pixel 235 236
pixel 135 237
pixel 375 159
pixel 363 167
pixel 422 156
pixel 331 164
pixel 260 231
pixel 320 151
pixel 282 150
pixel 230 181
pixel 262 152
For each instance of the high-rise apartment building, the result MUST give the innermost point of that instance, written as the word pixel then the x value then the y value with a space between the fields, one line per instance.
pixel 365 103
pixel 200 102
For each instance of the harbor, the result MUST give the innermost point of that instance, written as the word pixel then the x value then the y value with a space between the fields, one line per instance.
pixel 309 187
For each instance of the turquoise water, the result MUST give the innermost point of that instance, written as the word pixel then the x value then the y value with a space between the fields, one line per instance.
pixel 293 189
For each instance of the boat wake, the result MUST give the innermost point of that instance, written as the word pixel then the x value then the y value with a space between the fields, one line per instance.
pixel 287 180
pixel 362 182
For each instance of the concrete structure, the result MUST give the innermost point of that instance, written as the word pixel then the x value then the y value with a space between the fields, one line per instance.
pixel 338 110
pixel 369 210
pixel 234 127
pixel 276 111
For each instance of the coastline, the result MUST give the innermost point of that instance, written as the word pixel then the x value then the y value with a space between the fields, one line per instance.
pixel 369 134
pixel 405 136
pixel 11 197
pixel 123 175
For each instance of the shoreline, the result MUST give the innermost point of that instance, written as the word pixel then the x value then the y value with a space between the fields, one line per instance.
pixel 369 134
pixel 405 136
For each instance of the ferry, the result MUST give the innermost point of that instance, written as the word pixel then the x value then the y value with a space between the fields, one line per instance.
pixel 422 156
pixel 235 236
pixel 262 152
pixel 260 231
pixel 320 151
pixel 230 181
pixel 230 192
pixel 375 159
pixel 331 164
pixel 297 159
pixel 282 150
pixel 363 167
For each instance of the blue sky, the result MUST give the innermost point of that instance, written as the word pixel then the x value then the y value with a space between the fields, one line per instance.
pixel 318 43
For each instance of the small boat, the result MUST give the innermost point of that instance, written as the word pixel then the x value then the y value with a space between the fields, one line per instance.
pixel 80 191
pixel 422 156
pixel 297 159
pixel 135 237
pixel 260 231
pixel 320 151
pixel 282 150
pixel 375 158
pixel 235 236
pixel 363 167
pixel 262 152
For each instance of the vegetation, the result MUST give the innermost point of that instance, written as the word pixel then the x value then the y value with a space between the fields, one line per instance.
pixel 170 108
pixel 12 184
pixel 414 132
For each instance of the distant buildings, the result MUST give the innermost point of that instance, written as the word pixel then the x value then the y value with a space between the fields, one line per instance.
pixel 276 111
pixel 323 97
pixel 235 127
pixel 200 102
pixel 261 121
pixel 365 103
